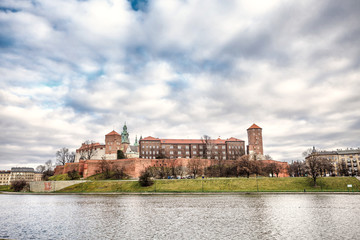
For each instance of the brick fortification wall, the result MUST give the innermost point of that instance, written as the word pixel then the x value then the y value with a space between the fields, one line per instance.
pixel 134 166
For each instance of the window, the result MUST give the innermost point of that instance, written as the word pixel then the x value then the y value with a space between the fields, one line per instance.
pixel 163 146
pixel 223 147
pixel 201 147
pixel 216 147
pixel 194 152
pixel 143 152
pixel 224 152
pixel 171 146
pixel 187 152
pixel 216 157
pixel 194 146
pixel 146 152
pixel 179 147
pixel 179 152
pixel 171 152
pixel 186 147
pixel 143 146
pixel 157 152
pixel 224 157
pixel 157 147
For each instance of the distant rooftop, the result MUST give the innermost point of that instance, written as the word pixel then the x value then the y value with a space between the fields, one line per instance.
pixel 22 169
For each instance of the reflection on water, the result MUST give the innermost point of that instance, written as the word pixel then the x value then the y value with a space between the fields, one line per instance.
pixel 293 216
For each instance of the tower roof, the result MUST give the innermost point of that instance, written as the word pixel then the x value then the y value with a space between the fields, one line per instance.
pixel 254 126
pixel 113 132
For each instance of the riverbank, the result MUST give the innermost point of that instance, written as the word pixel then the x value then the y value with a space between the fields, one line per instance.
pixel 213 186
pixel 220 185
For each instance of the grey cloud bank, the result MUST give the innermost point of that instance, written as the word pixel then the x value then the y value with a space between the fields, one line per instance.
pixel 74 70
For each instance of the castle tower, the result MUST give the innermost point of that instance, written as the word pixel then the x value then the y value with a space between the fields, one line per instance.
pixel 125 142
pixel 112 142
pixel 255 140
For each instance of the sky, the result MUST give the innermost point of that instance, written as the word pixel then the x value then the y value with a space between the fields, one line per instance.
pixel 72 71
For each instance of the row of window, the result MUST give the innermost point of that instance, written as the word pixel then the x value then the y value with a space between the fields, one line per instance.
pixel 194 147
pixel 187 152
pixel 171 157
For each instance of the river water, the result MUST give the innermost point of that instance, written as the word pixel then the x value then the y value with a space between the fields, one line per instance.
pixel 267 216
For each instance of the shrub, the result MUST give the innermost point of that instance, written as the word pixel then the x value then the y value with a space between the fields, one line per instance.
pixel 145 179
pixel 18 185
pixel 74 175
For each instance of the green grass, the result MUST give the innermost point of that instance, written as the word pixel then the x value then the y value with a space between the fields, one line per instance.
pixel 5 188
pixel 60 177
pixel 102 176
pixel 336 184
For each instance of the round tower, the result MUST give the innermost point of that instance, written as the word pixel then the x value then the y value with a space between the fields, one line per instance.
pixel 255 140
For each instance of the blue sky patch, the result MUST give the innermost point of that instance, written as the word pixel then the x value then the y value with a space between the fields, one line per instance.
pixel 137 5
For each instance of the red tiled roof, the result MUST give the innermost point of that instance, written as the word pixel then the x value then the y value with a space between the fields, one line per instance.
pixel 149 138
pixel 232 139
pixel 254 126
pixel 192 141
pixel 92 145
pixel 112 133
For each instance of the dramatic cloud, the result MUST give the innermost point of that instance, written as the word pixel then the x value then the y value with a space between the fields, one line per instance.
pixel 74 70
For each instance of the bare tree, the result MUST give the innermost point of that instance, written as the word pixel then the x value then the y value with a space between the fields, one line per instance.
pixel 207 145
pixel 195 167
pixel 244 166
pixel 89 150
pixel 343 169
pixel 64 156
pixel 40 168
pixel 297 169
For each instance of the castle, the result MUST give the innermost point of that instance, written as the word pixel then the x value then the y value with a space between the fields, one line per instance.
pixel 153 148
pixel 225 149
pixel 114 142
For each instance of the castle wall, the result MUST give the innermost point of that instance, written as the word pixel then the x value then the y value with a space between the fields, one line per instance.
pixel 134 166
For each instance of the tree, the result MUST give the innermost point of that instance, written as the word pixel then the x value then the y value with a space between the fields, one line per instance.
pixel 119 173
pixel 195 167
pixel 40 168
pixel 297 169
pixel 49 170
pixel 73 175
pixel 343 168
pixel 105 168
pixel 270 169
pixel 207 147
pixel 145 178
pixel 120 154
pixel 89 150
pixel 244 166
pixel 18 185
pixel 64 156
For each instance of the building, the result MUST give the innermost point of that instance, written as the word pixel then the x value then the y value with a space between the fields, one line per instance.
pixel 114 142
pixel 230 149
pixel 152 148
pixel 4 177
pixel 255 140
pixel 21 173
pixel 349 157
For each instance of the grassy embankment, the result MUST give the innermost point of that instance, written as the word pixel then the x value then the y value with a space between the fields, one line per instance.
pixel 329 184
pixel 5 188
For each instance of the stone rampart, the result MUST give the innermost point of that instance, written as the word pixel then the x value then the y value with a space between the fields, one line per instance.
pixel 134 166
pixel 52 186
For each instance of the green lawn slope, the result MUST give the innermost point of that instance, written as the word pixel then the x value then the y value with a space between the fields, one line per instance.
pixel 330 184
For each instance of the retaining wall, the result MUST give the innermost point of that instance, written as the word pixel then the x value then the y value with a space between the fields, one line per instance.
pixel 51 186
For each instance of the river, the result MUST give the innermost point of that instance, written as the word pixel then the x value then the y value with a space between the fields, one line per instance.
pixel 263 216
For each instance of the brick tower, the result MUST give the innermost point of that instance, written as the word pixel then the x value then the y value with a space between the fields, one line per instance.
pixel 255 140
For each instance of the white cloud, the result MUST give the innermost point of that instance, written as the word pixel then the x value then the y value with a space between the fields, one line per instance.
pixel 73 70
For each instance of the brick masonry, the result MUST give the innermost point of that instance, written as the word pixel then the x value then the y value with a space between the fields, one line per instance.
pixel 134 166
